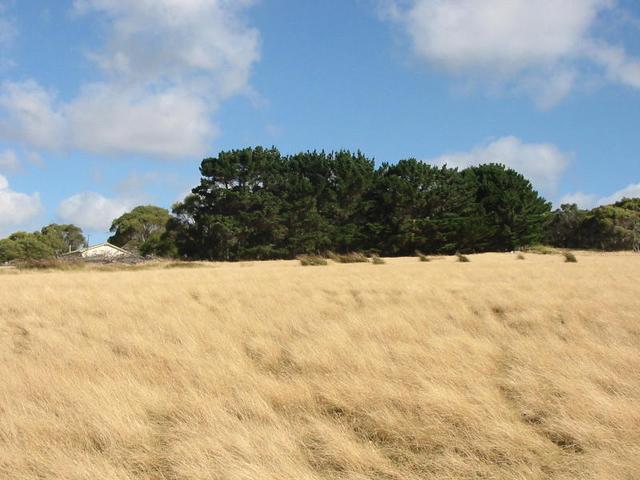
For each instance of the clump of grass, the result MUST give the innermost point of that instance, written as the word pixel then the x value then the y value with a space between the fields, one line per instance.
pixel 422 256
pixel 521 256
pixel 570 257
pixel 352 257
pixel 311 260
pixel 377 260
pixel 462 258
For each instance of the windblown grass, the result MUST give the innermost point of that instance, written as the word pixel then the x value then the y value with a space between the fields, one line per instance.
pixel 499 370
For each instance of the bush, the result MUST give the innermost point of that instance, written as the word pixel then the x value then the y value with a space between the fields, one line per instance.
pixel 462 258
pixel 542 250
pixel 570 257
pixel 353 257
pixel 377 260
pixel 422 256
pixel 521 256
pixel 311 260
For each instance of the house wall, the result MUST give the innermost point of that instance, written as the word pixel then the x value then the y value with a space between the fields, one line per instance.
pixel 102 251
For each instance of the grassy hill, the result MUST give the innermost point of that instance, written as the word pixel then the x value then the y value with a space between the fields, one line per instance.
pixel 497 368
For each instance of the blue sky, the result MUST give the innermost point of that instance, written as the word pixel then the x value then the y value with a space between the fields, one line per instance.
pixel 106 104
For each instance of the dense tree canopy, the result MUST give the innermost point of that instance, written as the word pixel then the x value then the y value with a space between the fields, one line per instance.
pixel 256 203
pixel 140 229
pixel 608 227
pixel 52 240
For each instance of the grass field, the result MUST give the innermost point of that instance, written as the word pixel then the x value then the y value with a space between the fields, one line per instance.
pixel 497 368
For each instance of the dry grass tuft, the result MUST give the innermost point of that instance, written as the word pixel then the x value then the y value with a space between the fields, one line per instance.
pixel 422 256
pixel 570 257
pixel 462 258
pixel 352 257
pixel 264 370
pixel 312 260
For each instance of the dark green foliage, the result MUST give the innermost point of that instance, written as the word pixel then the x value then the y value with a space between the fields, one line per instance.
pixel 311 260
pixel 141 229
pixel 258 204
pixel 462 258
pixel 608 227
pixel 570 257
pixel 509 213
pixel 51 241
pixel 63 238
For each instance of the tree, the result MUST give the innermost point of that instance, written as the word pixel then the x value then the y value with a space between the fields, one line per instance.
pixel 145 223
pixel 63 238
pixel 509 212
pixel 24 246
pixel 563 227
pixel 607 227
pixel 255 203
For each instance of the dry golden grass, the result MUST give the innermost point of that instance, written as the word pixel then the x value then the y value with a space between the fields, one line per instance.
pixel 493 369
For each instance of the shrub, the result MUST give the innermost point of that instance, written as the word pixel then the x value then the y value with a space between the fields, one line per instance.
pixel 542 250
pixel 521 256
pixel 422 256
pixel 311 260
pixel 353 257
pixel 570 257
pixel 377 260
pixel 462 258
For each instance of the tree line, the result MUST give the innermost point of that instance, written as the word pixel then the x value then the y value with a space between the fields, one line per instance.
pixel 256 203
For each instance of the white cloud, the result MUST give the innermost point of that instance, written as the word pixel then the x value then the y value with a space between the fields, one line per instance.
pixel 17 208
pixel 108 119
pixel 178 40
pixel 28 115
pixel 166 65
pixel 9 161
pixel 587 200
pixel 92 211
pixel 533 46
pixel 542 163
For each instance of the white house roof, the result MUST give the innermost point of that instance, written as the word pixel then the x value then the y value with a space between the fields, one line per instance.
pixel 104 244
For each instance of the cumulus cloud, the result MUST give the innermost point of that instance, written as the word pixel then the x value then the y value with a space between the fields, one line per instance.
pixel 542 163
pixel 9 161
pixel 588 200
pixel 166 67
pixel 17 208
pixel 28 115
pixel 534 46
pixel 92 211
